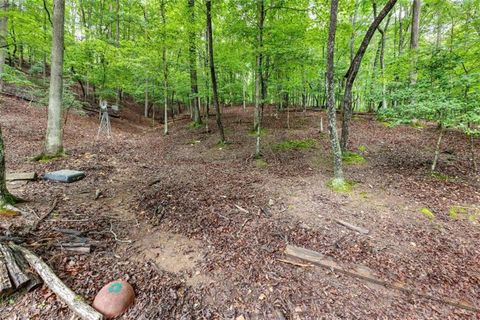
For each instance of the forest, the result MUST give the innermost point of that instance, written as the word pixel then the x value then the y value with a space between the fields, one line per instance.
pixel 239 159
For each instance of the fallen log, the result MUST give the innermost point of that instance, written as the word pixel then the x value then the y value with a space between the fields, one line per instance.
pixel 320 260
pixel 34 280
pixel 5 284
pixel 75 302
pixel 18 277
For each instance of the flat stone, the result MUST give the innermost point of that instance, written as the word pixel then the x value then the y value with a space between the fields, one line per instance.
pixel 17 176
pixel 67 176
pixel 114 298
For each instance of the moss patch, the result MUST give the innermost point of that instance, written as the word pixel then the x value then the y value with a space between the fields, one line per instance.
pixel 46 158
pixel 362 149
pixel 260 163
pixel 8 213
pixel 352 158
pixel 295 145
pixel 427 213
pixel 341 186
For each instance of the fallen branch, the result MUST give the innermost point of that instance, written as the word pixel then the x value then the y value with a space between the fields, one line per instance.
pixel 352 227
pixel 45 216
pixel 296 263
pixel 5 284
pixel 241 209
pixel 17 276
pixel 321 261
pixel 115 236
pixel 74 301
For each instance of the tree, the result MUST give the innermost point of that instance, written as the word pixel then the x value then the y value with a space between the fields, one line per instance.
pixel 54 145
pixel 416 6
pixel 353 71
pixel 3 41
pixel 213 74
pixel 338 181
pixel 5 197
pixel 195 99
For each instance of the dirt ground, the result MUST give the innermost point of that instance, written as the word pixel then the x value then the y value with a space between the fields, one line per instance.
pixel 199 228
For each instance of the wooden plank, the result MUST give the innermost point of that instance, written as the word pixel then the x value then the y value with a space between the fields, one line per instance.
pixel 320 260
pixel 18 176
pixel 352 227
pixel 74 301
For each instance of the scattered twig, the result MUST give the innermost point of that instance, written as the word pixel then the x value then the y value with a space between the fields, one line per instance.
pixel 115 235
pixel 36 224
pixel 241 209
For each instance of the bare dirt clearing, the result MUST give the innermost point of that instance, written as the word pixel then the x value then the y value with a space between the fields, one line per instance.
pixel 200 227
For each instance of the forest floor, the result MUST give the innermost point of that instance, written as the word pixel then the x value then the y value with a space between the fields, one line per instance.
pixel 168 218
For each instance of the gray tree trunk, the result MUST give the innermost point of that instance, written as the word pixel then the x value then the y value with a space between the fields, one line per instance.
pixel 332 112
pixel 259 77
pixel 195 99
pixel 353 71
pixel 213 74
pixel 3 42
pixel 53 145
pixel 5 197
pixel 416 7
pixel 165 67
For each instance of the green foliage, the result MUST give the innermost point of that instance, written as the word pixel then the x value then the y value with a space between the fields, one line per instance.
pixel 471 213
pixel 194 125
pixel 16 77
pixel 362 149
pixel 352 158
pixel 340 186
pixel 263 132
pixel 427 213
pixel 295 145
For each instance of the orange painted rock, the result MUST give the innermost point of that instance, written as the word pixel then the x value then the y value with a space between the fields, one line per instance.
pixel 114 298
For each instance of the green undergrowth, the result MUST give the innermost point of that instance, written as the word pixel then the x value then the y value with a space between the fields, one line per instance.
pixel 464 212
pixel 194 125
pixel 352 158
pixel 304 144
pixel 263 132
pixel 341 186
pixel 441 176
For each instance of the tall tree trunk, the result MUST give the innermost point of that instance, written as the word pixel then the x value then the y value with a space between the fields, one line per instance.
pixel 145 110
pixel 416 7
pixel 53 145
pixel 353 71
pixel 259 83
pixel 165 67
pixel 3 42
pixel 195 99
pixel 437 148
pixel 212 71
pixel 5 196
pixel 354 31
pixel 332 112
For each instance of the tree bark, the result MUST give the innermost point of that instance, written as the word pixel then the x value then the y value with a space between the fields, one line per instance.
pixel 259 83
pixel 353 71
pixel 53 145
pixel 212 71
pixel 5 197
pixel 3 41
pixel 195 99
pixel 437 149
pixel 332 112
pixel 416 7
pixel 165 68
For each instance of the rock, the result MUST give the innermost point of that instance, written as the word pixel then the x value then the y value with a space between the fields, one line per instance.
pixel 114 298
pixel 19 176
pixel 65 176
pixel 271 202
